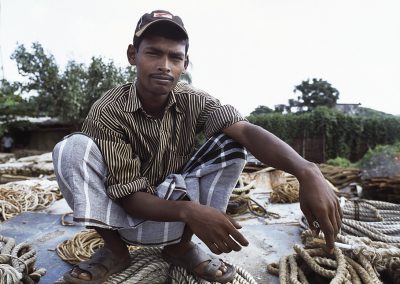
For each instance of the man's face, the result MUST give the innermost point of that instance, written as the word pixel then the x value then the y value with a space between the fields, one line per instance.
pixel 159 63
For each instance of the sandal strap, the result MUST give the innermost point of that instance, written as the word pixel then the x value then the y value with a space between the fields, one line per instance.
pixel 195 256
pixel 213 266
pixel 99 264
pixel 95 270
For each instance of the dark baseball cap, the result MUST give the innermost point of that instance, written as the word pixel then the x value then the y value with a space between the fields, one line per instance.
pixel 157 16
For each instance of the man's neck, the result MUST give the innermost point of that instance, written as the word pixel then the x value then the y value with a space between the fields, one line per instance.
pixel 153 105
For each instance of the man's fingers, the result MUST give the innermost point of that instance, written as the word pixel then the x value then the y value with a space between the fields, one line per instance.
pixel 233 221
pixel 237 236
pixel 213 248
pixel 223 247
pixel 329 233
pixel 232 244
pixel 310 219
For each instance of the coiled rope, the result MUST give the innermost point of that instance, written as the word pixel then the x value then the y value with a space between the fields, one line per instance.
pixel 240 201
pixel 368 248
pixel 355 260
pixel 287 192
pixel 147 265
pixel 17 263
pixel 18 197
pixel 377 220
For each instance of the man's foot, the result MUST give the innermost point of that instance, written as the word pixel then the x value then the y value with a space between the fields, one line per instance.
pixel 98 268
pixel 205 266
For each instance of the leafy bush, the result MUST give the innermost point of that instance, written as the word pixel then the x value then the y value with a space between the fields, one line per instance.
pixel 340 162
pixel 343 135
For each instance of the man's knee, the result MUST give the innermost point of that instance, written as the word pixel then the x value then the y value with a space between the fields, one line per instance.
pixel 75 148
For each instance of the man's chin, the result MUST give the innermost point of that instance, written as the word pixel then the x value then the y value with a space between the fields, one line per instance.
pixel 163 89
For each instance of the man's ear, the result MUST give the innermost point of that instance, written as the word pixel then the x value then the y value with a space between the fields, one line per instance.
pixel 186 62
pixel 131 54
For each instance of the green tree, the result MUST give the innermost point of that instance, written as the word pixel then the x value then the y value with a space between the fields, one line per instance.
pixel 43 78
pixel 314 93
pixel 11 102
pixel 261 110
pixel 66 95
pixel 186 77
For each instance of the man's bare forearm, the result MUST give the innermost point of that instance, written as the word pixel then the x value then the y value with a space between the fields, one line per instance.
pixel 150 207
pixel 268 148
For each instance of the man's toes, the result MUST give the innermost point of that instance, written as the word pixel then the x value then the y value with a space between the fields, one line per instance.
pixel 77 273
pixel 74 273
pixel 84 276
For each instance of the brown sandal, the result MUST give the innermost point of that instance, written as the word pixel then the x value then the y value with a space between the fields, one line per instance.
pixel 100 266
pixel 194 256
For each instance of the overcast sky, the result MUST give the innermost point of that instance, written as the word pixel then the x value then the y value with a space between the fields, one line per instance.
pixel 245 53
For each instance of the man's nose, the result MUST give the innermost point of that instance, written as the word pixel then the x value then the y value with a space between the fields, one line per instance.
pixel 164 65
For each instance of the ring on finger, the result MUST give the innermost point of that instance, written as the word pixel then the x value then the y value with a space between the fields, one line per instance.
pixel 315 224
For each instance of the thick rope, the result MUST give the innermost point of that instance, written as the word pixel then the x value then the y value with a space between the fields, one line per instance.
pixel 18 197
pixel 240 201
pixel 287 192
pixel 376 220
pixel 147 265
pixel 347 265
pixel 17 263
pixel 362 252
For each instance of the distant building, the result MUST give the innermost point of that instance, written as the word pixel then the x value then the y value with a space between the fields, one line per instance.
pixel 348 108
pixel 42 133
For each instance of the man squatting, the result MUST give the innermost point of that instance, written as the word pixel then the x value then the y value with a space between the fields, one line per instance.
pixel 132 176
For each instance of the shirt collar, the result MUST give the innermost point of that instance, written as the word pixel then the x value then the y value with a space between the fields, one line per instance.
pixel 133 103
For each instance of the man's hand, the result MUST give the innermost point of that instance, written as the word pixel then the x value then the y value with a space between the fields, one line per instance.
pixel 217 230
pixel 319 203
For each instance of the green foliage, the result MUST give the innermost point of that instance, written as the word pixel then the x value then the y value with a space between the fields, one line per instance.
pixel 261 110
pixel 42 76
pixel 67 95
pixel 363 111
pixel 392 150
pixel 11 103
pixel 343 135
pixel 314 93
pixel 186 77
pixel 340 162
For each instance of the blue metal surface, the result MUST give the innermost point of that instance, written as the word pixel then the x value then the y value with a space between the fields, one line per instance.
pixel 44 232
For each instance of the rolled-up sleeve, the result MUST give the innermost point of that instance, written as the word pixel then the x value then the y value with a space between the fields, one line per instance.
pixel 123 175
pixel 215 117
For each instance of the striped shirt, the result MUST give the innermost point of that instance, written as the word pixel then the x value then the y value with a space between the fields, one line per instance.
pixel 139 150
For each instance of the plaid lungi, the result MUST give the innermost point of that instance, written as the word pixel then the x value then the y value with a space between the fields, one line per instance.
pixel 208 178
